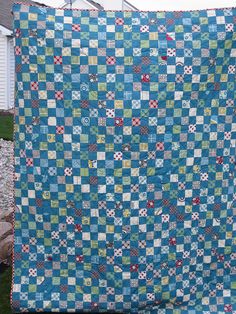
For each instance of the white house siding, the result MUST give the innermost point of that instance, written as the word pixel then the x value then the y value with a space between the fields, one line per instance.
pixel 7 70
pixel 11 69
pixel 3 72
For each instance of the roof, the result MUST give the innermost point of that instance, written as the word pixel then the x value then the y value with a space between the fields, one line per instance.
pixel 95 4
pixel 131 5
pixel 100 7
pixel 6 9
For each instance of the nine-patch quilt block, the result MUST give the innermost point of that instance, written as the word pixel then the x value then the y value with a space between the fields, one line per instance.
pixel 125 138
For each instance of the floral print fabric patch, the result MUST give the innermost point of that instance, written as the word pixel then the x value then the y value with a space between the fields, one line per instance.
pixel 125 132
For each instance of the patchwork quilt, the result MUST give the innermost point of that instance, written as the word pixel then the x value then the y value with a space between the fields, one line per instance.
pixel 125 138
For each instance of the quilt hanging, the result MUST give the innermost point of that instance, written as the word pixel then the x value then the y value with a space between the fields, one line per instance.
pixel 125 133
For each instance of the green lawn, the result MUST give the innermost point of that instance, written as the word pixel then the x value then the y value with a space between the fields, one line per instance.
pixel 5 288
pixel 6 132
pixel 6 127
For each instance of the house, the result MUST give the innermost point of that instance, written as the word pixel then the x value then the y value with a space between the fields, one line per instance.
pixel 100 5
pixel 129 6
pixel 7 64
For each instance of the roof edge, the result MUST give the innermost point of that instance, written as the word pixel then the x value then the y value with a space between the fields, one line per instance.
pixel 5 31
pixel 90 2
pixel 95 4
pixel 131 5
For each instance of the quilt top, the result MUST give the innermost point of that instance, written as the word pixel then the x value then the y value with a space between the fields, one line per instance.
pixel 125 161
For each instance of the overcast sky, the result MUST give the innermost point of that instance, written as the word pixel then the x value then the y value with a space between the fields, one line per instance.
pixel 166 4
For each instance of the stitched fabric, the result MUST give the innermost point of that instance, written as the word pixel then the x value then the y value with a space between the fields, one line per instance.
pixel 125 161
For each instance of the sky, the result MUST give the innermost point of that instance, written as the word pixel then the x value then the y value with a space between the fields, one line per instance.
pixel 166 4
pixel 181 4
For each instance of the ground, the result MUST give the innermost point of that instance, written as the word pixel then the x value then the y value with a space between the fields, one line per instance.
pixel 6 132
pixel 5 287
pixel 6 126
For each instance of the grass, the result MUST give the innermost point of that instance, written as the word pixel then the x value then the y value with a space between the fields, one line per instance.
pixel 6 132
pixel 6 127
pixel 5 288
